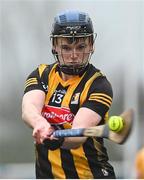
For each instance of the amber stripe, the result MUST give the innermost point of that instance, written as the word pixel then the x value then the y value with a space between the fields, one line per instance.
pixel 101 98
pixel 101 94
pixel 98 100
pixel 41 68
pixel 52 83
pixel 56 164
pixel 81 163
pixel 30 83
pixel 70 91
pixel 87 86
pixel 31 79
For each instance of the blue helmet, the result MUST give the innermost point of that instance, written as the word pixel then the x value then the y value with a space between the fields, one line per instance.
pixel 72 24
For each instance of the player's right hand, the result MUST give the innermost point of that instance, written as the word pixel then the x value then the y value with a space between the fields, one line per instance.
pixel 42 130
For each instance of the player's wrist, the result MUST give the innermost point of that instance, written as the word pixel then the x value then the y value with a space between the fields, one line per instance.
pixel 40 120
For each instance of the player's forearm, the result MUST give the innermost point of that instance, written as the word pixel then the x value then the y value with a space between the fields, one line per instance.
pixel 30 114
pixel 73 142
pixel 85 118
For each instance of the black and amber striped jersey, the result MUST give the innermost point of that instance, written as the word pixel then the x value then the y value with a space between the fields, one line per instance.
pixel 62 101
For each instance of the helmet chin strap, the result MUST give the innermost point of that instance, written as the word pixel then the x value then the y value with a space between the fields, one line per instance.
pixel 72 70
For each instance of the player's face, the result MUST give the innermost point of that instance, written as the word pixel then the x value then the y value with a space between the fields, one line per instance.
pixel 73 52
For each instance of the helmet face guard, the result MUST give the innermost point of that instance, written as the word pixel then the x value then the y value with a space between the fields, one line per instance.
pixel 73 26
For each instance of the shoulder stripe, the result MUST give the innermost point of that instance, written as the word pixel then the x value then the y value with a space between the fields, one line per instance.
pixel 101 95
pixel 31 81
pixel 101 98
pixel 101 101
pixel 30 84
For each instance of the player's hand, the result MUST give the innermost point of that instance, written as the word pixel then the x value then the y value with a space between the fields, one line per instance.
pixel 42 130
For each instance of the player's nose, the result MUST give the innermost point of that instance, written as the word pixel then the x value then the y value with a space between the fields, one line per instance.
pixel 74 54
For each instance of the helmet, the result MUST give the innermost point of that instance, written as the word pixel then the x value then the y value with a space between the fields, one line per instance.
pixel 72 24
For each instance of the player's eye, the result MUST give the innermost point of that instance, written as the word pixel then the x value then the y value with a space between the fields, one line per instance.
pixel 65 48
pixel 81 47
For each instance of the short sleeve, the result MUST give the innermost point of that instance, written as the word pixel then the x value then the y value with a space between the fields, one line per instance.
pixel 35 81
pixel 100 95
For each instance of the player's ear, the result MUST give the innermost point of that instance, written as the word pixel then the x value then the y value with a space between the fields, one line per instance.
pixel 54 48
pixel 92 49
pixel 54 51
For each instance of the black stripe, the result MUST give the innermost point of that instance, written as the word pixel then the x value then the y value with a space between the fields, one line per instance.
pixel 91 154
pixel 43 166
pixel 68 164
pixel 96 165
